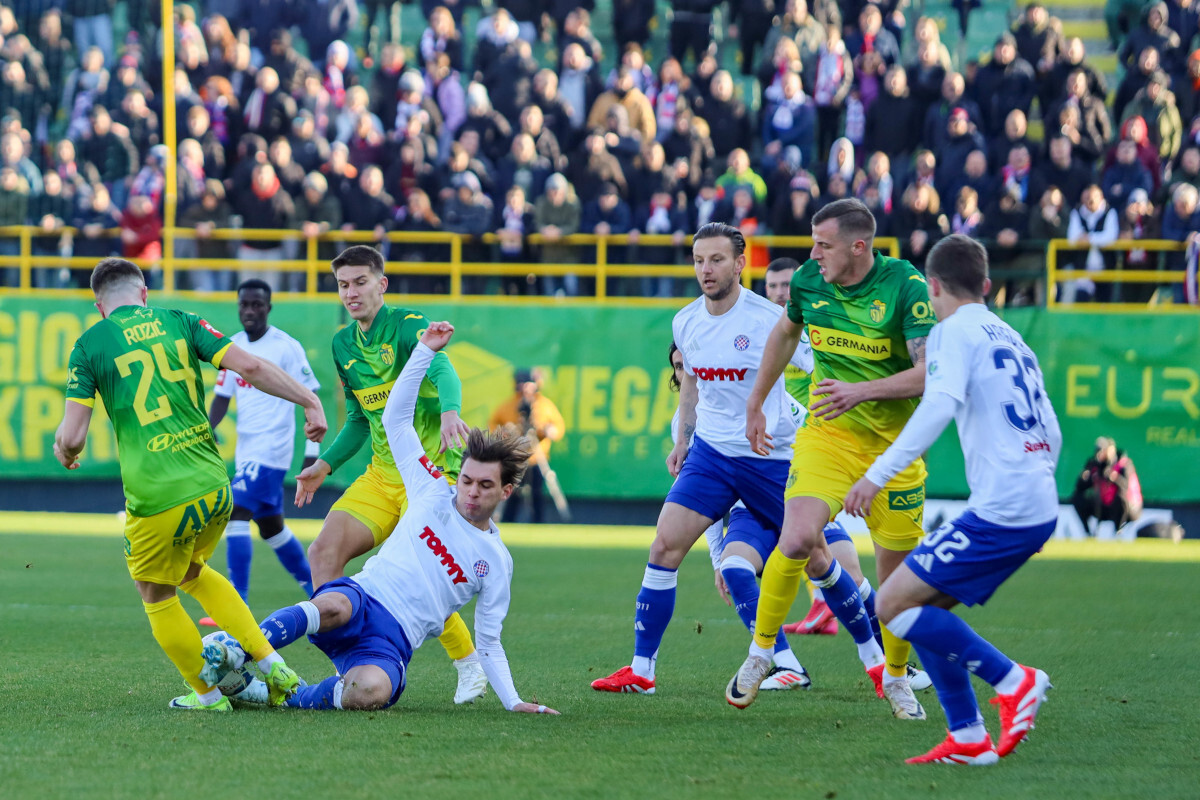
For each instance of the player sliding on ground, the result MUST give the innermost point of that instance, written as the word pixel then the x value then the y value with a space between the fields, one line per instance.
pixel 444 551
pixel 982 375
pixel 145 365
pixel 867 318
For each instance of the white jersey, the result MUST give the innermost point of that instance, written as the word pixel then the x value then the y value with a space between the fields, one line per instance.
pixel 266 425
pixel 435 561
pixel 723 353
pixel 1008 430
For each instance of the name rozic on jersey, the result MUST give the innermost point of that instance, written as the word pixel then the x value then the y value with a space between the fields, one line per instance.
pixel 438 549
pixel 721 374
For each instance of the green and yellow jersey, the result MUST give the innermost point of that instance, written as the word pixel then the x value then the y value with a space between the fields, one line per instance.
pixel 368 365
pixel 860 333
pixel 145 365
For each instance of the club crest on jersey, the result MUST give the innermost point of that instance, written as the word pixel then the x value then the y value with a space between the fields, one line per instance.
pixel 741 342
pixel 482 568
pixel 387 354
pixel 878 310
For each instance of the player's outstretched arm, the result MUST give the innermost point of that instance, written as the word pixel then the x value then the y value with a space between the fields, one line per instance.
pixel 274 381
pixel 689 396
pixel 71 435
pixel 407 451
pixel 780 348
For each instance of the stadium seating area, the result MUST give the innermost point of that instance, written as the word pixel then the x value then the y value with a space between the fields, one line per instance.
pixel 524 117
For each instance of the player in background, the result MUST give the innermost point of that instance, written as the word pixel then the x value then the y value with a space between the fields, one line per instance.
pixel 719 335
pixel 445 550
pixel 145 365
pixel 867 317
pixel 982 375
pixel 266 432
pixel 369 354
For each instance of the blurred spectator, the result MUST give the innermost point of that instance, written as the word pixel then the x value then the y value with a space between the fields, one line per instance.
pixel 1181 223
pixel 1189 168
pixel 1069 60
pixel 19 95
pixel 492 37
pixel 967 217
pixel 509 81
pixel 872 37
pixel 743 211
pixel 1156 105
pixel 1018 178
pixel 728 120
pixel 1039 40
pixel 1135 129
pixel 975 176
pixel 83 89
pixel 284 60
pixel 607 215
pixel 384 91
pixel 629 97
pixel 493 132
pixel 1050 219
pixel 833 81
pixel 961 138
pixel 322 22
pixel 468 210
pixel 893 122
pixel 953 97
pixel 925 78
pixel 1092 127
pixel 1125 176
pixel 523 167
pixel 56 52
pixel 13 156
pixel 514 223
pixel 1016 128
pixel 95 217
pixel 530 411
pixel 662 216
pixel 1136 78
pixel 336 74
pixel 211 213
pixel 739 174
pixel 919 222
pixel 670 96
pixel 1096 224
pixel 752 20
pixel 793 211
pixel 631 21
pixel 1138 221
pixel 265 206
pixel 1108 489
pixel 532 123
pixel 691 28
pixel 269 110
pixel 576 28
pixel 93 25
pixel 1061 169
pixel 557 214
pixel 1004 83
pixel 366 206
pixel 14 210
pixel 1153 32
pixel 791 121
pixel 594 165
pixel 444 86
pixel 141 229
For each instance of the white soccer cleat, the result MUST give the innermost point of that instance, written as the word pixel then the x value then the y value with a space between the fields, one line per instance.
pixel 743 686
pixel 918 679
pixel 255 691
pixel 785 678
pixel 222 654
pixel 472 681
pixel 904 703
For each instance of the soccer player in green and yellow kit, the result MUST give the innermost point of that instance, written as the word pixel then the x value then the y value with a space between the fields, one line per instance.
pixel 369 355
pixel 145 365
pixel 867 318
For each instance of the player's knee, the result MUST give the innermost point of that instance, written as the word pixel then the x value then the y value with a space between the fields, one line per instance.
pixel 798 542
pixel 666 552
pixel 366 693
pixel 888 604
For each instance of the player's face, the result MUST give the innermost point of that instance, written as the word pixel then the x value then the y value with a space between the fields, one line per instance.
pixel 677 365
pixel 480 490
pixel 834 252
pixel 717 269
pixel 361 291
pixel 253 308
pixel 778 285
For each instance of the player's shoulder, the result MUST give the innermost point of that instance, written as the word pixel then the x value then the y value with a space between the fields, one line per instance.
pixel 899 272
pixel 689 312
pixel 282 338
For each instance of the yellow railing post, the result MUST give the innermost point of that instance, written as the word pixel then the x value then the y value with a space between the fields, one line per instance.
pixel 602 268
pixel 168 129
pixel 456 271
pixel 168 258
pixel 26 237
pixel 1051 273
pixel 311 279
pixel 894 248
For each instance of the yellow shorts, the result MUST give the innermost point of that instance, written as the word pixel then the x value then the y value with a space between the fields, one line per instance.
pixel 828 460
pixel 161 547
pixel 376 501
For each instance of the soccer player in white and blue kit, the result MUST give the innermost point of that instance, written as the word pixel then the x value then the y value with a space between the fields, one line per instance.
pixel 266 432
pixel 444 551
pixel 982 375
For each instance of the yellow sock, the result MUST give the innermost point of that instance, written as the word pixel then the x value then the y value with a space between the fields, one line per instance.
pixel 456 638
pixel 176 634
pixel 227 608
pixel 780 584
pixel 808 584
pixel 897 652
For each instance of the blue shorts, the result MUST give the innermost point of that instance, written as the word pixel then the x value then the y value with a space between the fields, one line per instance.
pixel 259 490
pixel 968 558
pixel 710 483
pixel 745 527
pixel 371 636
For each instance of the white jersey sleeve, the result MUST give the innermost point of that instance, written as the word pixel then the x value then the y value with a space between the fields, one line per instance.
pixel 491 608
pixel 420 476
pixel 225 384
pixel 299 368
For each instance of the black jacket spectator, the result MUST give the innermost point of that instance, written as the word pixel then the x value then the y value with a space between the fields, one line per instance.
pixel 1004 83
pixel 892 122
pixel 1062 170
pixel 265 206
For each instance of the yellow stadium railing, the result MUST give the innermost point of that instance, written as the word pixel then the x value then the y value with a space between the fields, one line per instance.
pixel 455 268
pixel 1120 275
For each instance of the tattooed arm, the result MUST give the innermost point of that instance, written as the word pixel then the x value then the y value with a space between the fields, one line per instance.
pixel 833 398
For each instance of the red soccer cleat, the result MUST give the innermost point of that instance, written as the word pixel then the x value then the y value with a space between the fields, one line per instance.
pixel 952 752
pixel 830 629
pixel 1019 709
pixel 208 622
pixel 624 682
pixel 876 675
pixel 817 618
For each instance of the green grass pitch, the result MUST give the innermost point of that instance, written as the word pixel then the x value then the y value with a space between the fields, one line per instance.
pixel 84 688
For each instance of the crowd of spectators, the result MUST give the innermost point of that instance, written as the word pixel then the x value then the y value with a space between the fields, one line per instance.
pixel 281 124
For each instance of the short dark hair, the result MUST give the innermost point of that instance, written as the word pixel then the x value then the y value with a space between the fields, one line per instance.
pixel 853 218
pixel 113 271
pixel 960 263
pixel 780 264
pixel 360 255
pixel 255 283
pixel 673 381
pixel 507 446
pixel 719 230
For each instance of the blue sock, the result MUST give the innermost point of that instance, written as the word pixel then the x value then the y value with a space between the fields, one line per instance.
pixel 291 554
pixel 655 605
pixel 868 598
pixel 318 697
pixel 743 588
pixel 290 623
pixel 239 549
pixel 953 685
pixel 946 635
pixel 844 600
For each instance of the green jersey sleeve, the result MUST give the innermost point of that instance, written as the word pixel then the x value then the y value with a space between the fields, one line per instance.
pixel 918 318
pixel 208 343
pixel 441 372
pixel 354 433
pixel 81 383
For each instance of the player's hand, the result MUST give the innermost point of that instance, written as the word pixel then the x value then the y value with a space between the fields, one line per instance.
pixel 437 335
pixel 454 431
pixel 533 708
pixel 309 480
pixel 679 454
pixel 315 426
pixel 836 398
pixel 756 430
pixel 860 497
pixel 70 462
pixel 722 589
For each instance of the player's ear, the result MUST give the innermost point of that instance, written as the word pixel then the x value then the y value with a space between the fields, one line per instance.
pixel 507 491
pixel 145 293
pixel 987 286
pixel 383 284
pixel 100 308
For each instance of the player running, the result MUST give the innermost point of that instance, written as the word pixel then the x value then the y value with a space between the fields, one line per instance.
pixel 867 318
pixel 266 432
pixel 369 355
pixel 145 365
pixel 718 334
pixel 982 375
pixel 444 551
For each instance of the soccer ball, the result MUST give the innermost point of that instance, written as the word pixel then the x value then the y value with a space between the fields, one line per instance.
pixel 235 681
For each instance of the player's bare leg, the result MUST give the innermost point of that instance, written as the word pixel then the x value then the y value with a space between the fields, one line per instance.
pixel 893 678
pixel 342 539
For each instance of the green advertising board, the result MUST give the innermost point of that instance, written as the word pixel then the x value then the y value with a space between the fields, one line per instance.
pixel 1132 376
